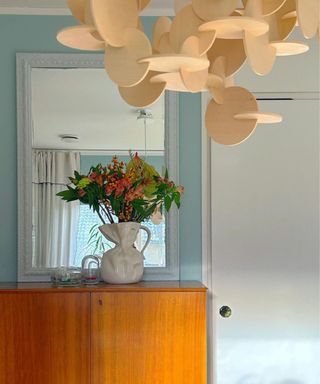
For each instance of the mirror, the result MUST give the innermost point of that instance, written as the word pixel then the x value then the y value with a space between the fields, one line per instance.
pixel 71 117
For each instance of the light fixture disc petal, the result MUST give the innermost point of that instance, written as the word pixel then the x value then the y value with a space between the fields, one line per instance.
pixel 186 24
pixel 232 50
pixel 112 17
pixel 80 37
pixel 161 26
pixel 194 81
pixel 261 55
pixel 140 25
pixel 173 81
pixel 198 45
pixel 143 94
pixel 289 15
pixel 268 6
pixel 233 27
pixel 283 22
pixel 179 4
pixel 218 67
pixel 122 64
pixel 142 4
pixel 214 81
pixel 217 94
pixel 174 62
pixel 206 40
pixel 164 45
pixel 260 117
pixel 220 121
pixel 308 17
pixel 211 9
pixel 78 9
pixel 289 48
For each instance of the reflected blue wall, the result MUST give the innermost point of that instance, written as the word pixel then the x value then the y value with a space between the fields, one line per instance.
pixel 37 34
pixel 87 161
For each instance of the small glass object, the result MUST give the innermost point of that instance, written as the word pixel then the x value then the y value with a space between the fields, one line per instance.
pixel 91 269
pixel 66 277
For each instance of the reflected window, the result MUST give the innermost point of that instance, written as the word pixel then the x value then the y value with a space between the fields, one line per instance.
pixel 90 241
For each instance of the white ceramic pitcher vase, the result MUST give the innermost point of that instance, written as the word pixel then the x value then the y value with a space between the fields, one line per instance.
pixel 124 263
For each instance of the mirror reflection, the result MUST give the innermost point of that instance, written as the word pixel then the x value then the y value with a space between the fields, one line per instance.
pixel 79 120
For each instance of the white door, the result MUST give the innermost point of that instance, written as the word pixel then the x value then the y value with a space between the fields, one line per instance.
pixel 265 251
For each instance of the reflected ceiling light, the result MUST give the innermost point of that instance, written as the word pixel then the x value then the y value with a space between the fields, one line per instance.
pixel 201 49
pixel 145 114
pixel 69 138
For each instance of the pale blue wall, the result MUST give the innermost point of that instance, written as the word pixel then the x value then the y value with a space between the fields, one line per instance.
pixel 37 34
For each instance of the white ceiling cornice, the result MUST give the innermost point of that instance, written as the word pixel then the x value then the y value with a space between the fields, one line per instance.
pixel 65 11
pixel 34 11
pixel 59 7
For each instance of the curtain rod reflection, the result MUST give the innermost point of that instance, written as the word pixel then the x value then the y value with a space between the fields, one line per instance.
pixel 107 152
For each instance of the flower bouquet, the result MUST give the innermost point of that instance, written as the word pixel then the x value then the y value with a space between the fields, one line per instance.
pixel 124 195
pixel 119 192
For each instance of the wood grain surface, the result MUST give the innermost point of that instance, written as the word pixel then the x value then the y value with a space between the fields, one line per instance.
pixel 44 338
pixel 148 338
pixel 151 332
pixel 142 286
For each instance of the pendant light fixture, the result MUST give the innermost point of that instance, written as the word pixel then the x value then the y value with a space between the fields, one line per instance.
pixel 201 49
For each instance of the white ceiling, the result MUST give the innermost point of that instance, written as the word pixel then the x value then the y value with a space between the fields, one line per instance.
pixel 85 103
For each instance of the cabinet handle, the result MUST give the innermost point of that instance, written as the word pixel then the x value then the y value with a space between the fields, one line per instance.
pixel 100 302
pixel 225 311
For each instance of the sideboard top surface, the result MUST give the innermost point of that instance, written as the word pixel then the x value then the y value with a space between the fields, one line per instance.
pixel 156 286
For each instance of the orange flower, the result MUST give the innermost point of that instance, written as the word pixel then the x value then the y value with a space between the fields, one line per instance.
pixel 110 188
pixel 93 176
pixel 81 192
pixel 121 185
pixel 134 193
pixel 99 180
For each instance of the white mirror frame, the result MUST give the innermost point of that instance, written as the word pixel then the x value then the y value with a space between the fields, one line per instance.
pixel 24 64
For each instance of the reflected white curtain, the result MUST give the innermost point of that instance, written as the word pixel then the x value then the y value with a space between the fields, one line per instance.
pixel 54 220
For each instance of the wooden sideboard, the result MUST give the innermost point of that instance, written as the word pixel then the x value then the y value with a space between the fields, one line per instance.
pixel 146 333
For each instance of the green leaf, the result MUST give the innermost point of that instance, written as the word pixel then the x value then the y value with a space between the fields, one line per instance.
pixel 116 205
pixel 176 197
pixel 167 203
pixel 138 202
pixel 68 195
pixel 140 210
pixel 93 229
pixel 84 182
pixel 77 175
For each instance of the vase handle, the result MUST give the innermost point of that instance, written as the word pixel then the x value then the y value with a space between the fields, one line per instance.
pixel 148 239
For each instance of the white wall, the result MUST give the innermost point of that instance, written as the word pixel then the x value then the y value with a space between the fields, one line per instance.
pixel 265 236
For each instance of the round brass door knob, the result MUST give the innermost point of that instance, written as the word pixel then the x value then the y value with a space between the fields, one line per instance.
pixel 225 311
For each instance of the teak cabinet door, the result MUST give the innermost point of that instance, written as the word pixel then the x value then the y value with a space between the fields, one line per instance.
pixel 44 338
pixel 148 338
